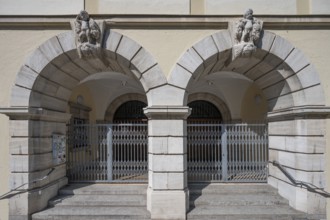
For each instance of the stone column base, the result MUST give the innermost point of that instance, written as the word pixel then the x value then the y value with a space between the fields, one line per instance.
pixel 168 204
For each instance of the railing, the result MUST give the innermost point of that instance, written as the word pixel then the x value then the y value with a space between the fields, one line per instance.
pixel 227 152
pixel 108 153
pixel 309 186
pixel 8 194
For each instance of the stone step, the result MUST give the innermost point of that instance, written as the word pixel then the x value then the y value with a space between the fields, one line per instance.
pixel 280 212
pixel 240 188
pixel 92 213
pixel 104 189
pixel 237 200
pixel 99 200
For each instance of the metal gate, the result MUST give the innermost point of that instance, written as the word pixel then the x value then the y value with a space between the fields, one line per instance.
pixel 108 153
pixel 227 152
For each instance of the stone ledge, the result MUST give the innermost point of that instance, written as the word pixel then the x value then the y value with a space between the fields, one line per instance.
pixel 301 112
pixel 26 113
pixel 167 112
pixel 168 21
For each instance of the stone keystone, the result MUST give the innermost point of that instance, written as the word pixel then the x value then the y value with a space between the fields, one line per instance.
pixel 246 35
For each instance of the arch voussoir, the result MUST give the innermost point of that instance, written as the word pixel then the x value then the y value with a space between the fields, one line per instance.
pixel 37 61
pixel 191 61
pixel 297 60
pixel 26 77
pixel 67 41
pixel 207 50
pixel 281 48
pixel 153 78
pixel 126 51
pixel 41 100
pixel 52 51
pixel 308 76
pixel 222 40
pixel 143 61
pixel 19 96
pixel 110 43
pixel 180 77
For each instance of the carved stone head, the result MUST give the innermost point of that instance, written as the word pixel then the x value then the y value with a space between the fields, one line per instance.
pixel 83 15
pixel 246 32
pixel 248 14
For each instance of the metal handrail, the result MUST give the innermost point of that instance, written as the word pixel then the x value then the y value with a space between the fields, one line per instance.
pixel 309 186
pixel 4 196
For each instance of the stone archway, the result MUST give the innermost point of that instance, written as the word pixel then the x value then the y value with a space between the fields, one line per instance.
pixel 220 104
pixel 109 114
pixel 295 101
pixel 39 102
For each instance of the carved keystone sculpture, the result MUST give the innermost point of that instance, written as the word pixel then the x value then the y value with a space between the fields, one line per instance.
pixel 246 35
pixel 88 35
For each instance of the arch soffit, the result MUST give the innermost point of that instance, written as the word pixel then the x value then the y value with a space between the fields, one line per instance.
pixel 49 74
pixel 110 112
pixel 282 71
pixel 220 104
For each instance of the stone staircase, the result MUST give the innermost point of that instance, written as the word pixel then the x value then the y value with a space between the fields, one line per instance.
pixel 241 202
pixel 97 201
pixel 207 202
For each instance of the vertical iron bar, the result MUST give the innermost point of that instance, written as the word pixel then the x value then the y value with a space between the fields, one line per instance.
pixel 109 151
pixel 224 153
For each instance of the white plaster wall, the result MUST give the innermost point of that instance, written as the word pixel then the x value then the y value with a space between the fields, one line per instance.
pixel 15 46
pixel 40 7
pixel 259 6
pixel 166 45
pixel 320 7
pixel 138 7
pixel 181 7
pixel 315 45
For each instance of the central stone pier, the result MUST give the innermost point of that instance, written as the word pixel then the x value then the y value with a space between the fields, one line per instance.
pixel 167 195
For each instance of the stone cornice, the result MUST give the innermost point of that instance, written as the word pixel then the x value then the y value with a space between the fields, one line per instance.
pixel 25 113
pixel 167 112
pixel 302 112
pixel 168 21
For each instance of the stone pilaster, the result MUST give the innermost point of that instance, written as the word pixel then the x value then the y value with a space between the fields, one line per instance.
pixel 30 149
pixel 168 196
pixel 297 140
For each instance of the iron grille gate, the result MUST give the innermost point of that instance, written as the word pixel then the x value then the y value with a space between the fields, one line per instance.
pixel 227 152
pixel 108 153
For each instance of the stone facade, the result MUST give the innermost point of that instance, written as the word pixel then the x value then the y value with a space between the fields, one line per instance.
pixel 288 90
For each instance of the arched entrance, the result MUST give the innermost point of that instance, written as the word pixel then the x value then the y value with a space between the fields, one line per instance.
pixel 110 152
pixel 220 152
pixel 203 136
pixel 130 112
pixel 42 91
pixel 284 81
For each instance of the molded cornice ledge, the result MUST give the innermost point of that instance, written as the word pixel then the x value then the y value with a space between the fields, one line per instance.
pixel 26 113
pixel 302 112
pixel 167 21
pixel 167 112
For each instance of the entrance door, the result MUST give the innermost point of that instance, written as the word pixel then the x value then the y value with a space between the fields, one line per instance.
pixel 204 142
pixel 219 152
pixel 116 152
pixel 130 143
